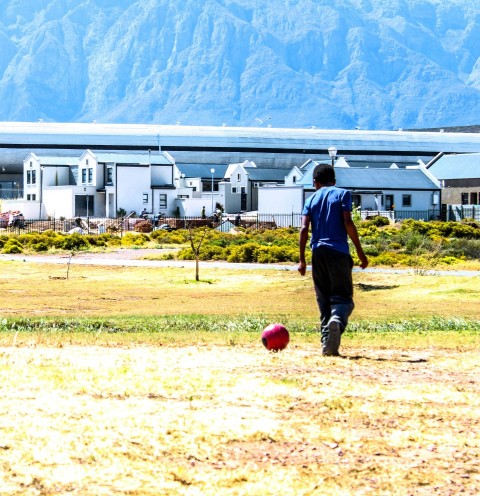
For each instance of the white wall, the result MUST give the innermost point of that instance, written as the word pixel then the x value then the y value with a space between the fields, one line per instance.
pixel 131 184
pixel 280 199
pixel 59 201
pixel 162 174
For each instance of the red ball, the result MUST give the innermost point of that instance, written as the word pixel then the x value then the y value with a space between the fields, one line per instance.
pixel 275 337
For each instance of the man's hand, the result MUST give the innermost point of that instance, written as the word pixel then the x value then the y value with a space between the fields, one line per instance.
pixel 302 268
pixel 363 260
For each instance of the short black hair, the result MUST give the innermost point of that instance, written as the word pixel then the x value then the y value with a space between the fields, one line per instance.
pixel 324 174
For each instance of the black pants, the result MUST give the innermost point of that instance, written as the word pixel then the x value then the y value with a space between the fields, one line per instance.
pixel 332 278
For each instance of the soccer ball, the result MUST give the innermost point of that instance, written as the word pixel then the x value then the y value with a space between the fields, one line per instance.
pixel 275 337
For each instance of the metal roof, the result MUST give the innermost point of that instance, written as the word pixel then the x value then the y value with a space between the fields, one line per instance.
pixel 160 136
pixel 210 145
pixel 119 158
pixel 58 161
pixel 462 166
pixel 375 179
pixel 203 170
pixel 257 174
pixel 134 158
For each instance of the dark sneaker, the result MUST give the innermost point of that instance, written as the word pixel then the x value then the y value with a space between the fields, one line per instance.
pixel 333 340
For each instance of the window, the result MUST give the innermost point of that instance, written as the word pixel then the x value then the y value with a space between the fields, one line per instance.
pixel 234 190
pixel 109 175
pixel 473 198
pixel 32 177
pixel 406 200
pixel 163 201
pixel 31 197
pixel 90 176
pixel 356 200
pixel 145 198
pixel 84 176
pixel 238 177
pixel 294 179
pixel 464 200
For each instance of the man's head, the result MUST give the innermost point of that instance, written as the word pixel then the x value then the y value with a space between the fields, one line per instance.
pixel 324 174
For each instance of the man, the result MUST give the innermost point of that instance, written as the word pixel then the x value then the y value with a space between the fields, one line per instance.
pixel 328 210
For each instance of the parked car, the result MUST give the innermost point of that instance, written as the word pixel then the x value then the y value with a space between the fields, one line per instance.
pixel 165 227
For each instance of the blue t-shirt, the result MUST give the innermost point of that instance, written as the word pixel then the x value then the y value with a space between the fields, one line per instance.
pixel 325 209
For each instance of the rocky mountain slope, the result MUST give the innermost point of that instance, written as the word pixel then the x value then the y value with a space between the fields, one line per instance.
pixel 373 64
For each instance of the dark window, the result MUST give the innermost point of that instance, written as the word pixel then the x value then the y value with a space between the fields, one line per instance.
pixel 32 177
pixel 84 176
pixel 473 198
pixel 145 198
pixel 464 200
pixel 163 201
pixel 109 175
pixel 90 176
pixel 357 200
pixel 406 200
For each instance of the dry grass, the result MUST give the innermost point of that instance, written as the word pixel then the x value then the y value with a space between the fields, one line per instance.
pixel 43 290
pixel 398 417
pixel 238 421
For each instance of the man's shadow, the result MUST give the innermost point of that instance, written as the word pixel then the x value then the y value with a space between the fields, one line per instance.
pixel 383 359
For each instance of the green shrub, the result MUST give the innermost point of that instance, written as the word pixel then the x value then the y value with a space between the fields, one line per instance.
pixel 74 241
pixel 131 239
pixel 275 254
pixel 12 246
pixel 41 246
pixel 378 221
pixel 185 254
pixel 244 253
pixel 387 258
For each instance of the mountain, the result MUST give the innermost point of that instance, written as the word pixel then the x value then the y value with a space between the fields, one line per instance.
pixel 373 64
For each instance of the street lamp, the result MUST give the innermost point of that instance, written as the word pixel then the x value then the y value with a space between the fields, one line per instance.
pixel 332 151
pixel 212 170
pixel 86 194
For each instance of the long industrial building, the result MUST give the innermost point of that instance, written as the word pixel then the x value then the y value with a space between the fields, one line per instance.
pixel 267 147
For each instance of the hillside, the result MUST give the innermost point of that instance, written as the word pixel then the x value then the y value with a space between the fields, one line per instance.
pixel 372 64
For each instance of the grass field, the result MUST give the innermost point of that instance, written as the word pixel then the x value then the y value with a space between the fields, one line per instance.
pixel 141 381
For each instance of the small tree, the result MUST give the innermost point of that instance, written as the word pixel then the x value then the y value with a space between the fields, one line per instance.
pixel 196 248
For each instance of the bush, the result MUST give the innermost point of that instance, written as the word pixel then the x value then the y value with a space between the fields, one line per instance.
pixel 377 220
pixel 74 241
pixel 12 246
pixel 131 239
pixel 41 246
pixel 244 253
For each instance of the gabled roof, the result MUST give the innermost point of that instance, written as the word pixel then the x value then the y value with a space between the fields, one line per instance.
pixel 57 161
pixel 119 158
pixel 374 179
pixel 261 174
pixel 461 166
pixel 134 158
pixel 202 170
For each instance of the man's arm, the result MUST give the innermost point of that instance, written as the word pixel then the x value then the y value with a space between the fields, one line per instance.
pixel 302 264
pixel 353 235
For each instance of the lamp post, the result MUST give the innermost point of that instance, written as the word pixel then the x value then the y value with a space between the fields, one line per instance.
pixel 212 170
pixel 332 151
pixel 86 194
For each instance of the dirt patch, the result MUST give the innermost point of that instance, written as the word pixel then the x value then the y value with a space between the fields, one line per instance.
pixel 238 420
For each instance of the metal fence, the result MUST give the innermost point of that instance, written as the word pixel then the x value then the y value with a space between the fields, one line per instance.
pixel 123 225
pixel 459 212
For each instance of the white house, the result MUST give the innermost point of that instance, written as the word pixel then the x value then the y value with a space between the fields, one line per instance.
pixel 97 185
pixel 234 186
pixel 401 191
